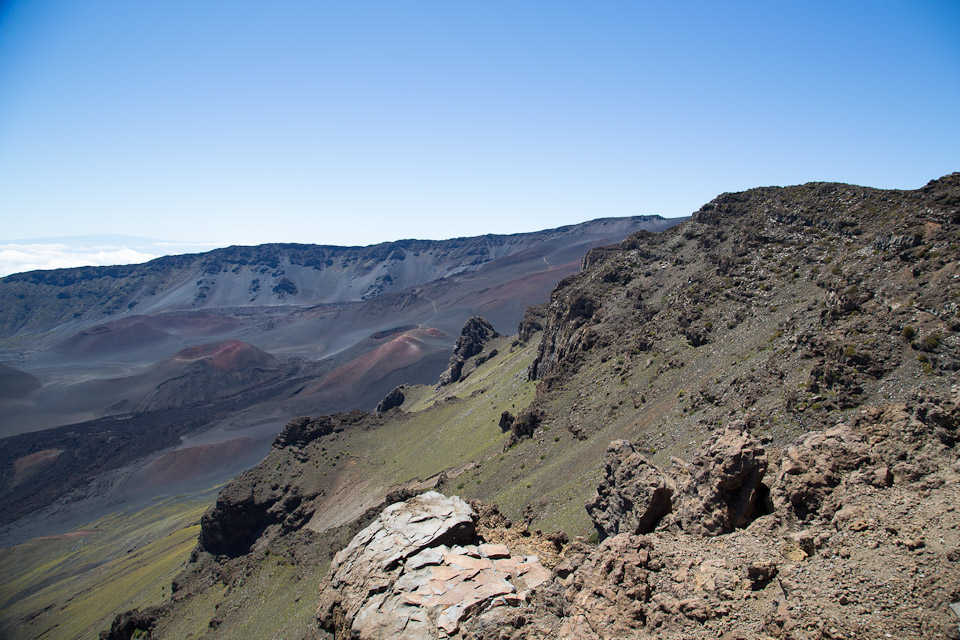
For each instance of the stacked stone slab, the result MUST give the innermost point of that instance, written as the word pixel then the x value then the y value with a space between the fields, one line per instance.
pixel 419 571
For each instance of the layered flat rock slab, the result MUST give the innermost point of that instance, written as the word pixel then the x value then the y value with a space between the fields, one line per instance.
pixel 418 572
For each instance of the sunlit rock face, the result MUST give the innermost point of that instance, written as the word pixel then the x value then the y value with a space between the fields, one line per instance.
pixel 419 571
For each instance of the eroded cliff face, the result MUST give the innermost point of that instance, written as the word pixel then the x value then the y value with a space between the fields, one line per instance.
pixel 774 301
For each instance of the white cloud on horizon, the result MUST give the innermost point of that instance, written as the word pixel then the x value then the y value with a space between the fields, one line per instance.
pixel 15 257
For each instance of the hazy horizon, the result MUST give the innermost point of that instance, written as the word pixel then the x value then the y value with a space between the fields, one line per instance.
pixel 20 255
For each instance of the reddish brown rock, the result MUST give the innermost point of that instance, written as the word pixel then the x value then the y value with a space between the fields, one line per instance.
pixel 633 495
pixel 724 484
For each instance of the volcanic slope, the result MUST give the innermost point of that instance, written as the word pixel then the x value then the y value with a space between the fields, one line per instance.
pixel 784 307
pixel 62 329
pixel 271 554
pixel 783 310
pixel 113 393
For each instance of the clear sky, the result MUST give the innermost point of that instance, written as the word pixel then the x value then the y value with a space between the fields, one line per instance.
pixel 357 122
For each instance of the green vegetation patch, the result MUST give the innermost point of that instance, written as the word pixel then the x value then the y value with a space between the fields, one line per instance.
pixel 71 586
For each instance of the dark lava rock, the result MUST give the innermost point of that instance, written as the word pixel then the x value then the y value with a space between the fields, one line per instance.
pixel 126 624
pixel 476 333
pixel 533 320
pixel 304 429
pixel 285 286
pixel 633 495
pixel 393 399
pixel 523 425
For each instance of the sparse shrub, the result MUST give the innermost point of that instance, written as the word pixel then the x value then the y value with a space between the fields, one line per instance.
pixel 594 537
pixel 836 271
pixel 909 332
pixel 930 342
pixel 461 486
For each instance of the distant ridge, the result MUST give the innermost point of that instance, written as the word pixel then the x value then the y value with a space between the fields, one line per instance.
pixel 265 275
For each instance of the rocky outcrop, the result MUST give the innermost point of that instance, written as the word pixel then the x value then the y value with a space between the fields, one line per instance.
pixel 532 323
pixel 721 491
pixel 874 553
pixel 393 399
pixel 304 430
pixel 244 510
pixel 273 498
pixel 633 495
pixel 813 467
pixel 419 571
pixel 130 624
pixel 523 426
pixel 886 278
pixel 476 333
pixel 725 483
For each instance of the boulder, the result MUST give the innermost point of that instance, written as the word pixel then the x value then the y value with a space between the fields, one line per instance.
pixel 419 571
pixel 813 467
pixel 633 495
pixel 725 483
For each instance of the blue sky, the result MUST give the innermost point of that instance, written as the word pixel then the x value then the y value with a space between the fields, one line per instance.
pixel 358 122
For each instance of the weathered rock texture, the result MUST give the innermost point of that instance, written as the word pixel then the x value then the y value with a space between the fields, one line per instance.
pixel 419 572
pixel 873 554
pixel 532 322
pixel 476 333
pixel 724 483
pixel 633 495
pixel 393 399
